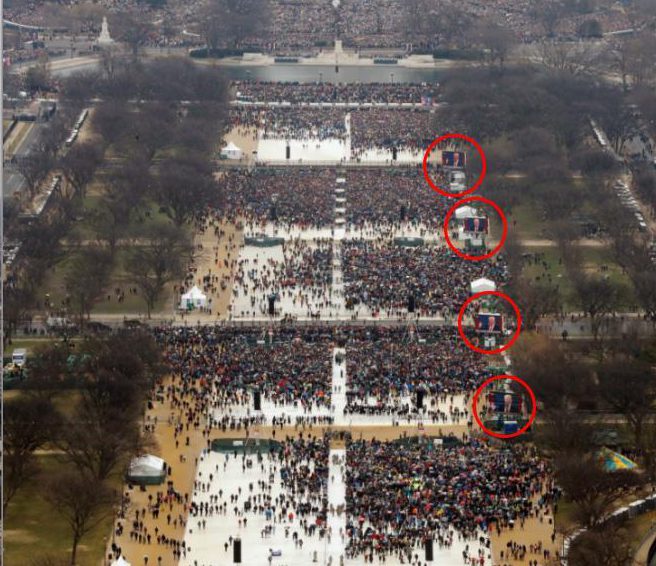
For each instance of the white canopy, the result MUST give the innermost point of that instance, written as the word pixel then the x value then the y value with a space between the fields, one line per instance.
pixel 146 466
pixel 231 151
pixel 193 298
pixel 465 212
pixel 120 561
pixel 480 285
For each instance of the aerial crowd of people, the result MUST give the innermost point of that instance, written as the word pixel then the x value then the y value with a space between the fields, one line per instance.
pixel 401 492
pixel 327 92
pixel 386 367
pixel 382 276
pixel 390 253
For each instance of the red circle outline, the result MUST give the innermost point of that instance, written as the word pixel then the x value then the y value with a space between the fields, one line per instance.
pixel 504 233
pixel 481 176
pixel 531 418
pixel 510 342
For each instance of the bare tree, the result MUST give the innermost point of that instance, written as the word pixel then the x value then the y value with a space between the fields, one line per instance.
pixel 53 135
pixel 496 41
pixel 644 283
pixel 118 374
pixel 157 261
pixel 537 300
pixel 185 186
pixel 50 371
pixel 86 279
pixel 38 77
pixel 629 387
pixel 592 489
pixel 150 130
pixel 112 62
pixel 559 379
pixel 575 59
pixel 82 501
pixel 598 298
pixel 79 87
pixel 111 121
pixel 83 16
pixel 96 443
pixel 35 168
pixel 132 28
pixel 18 301
pixel 79 166
pixel 549 13
pixel 641 14
pixel 231 22
pixel 603 546
pixel 29 422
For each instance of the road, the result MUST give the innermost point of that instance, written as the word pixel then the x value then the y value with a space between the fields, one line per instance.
pixel 12 180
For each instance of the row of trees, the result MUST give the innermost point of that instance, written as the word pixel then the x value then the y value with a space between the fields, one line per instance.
pixel 624 385
pixel 92 440
pixel 535 125
pixel 162 130
pixel 162 122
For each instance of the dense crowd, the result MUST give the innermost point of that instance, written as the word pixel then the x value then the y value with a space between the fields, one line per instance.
pixel 307 26
pixel 529 25
pixel 274 122
pixel 375 23
pixel 289 195
pixel 230 365
pixel 304 197
pixel 379 197
pixel 401 492
pixel 387 129
pixel 384 370
pixel 382 276
pixel 397 493
pixel 325 92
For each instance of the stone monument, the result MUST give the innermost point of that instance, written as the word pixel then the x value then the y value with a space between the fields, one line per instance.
pixel 105 38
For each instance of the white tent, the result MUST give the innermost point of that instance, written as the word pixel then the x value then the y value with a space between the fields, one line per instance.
pixel 231 151
pixel 465 212
pixel 147 469
pixel 480 285
pixel 120 561
pixel 194 298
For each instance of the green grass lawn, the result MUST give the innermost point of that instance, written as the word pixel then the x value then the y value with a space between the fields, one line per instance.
pixel 554 272
pixel 32 527
pixel 593 260
pixel 526 223
pixel 563 518
pixel 65 400
pixel 54 285
pixel 85 228
pixel 132 303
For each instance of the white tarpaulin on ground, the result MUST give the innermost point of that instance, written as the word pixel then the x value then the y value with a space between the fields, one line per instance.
pixel 120 561
pixel 465 212
pixel 231 151
pixel 194 298
pixel 480 285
